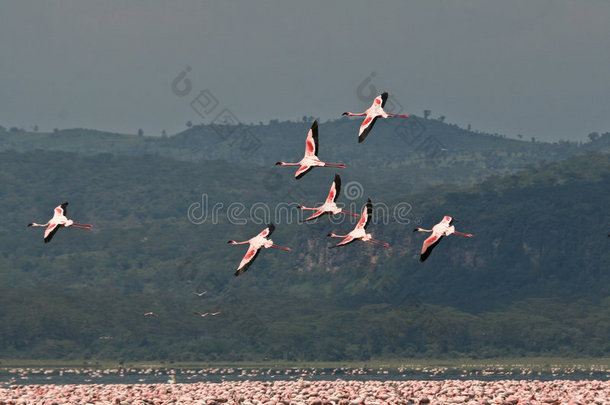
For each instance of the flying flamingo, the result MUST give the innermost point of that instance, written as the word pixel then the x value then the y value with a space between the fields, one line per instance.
pixel 59 219
pixel 372 113
pixel 329 206
pixel 255 243
pixel 359 231
pixel 206 314
pixel 443 228
pixel 200 294
pixel 310 160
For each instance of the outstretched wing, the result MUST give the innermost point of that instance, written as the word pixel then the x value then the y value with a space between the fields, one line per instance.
pixel 50 232
pixel 311 144
pixel 366 127
pixel 365 218
pixel 428 245
pixel 247 261
pixel 335 189
pixel 315 215
pixel 303 170
pixel 381 99
pixel 60 210
pixel 267 231
pixel 348 239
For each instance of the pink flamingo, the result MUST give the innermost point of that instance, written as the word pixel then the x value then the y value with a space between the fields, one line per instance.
pixel 310 160
pixel 330 205
pixel 443 228
pixel 359 232
pixel 372 113
pixel 256 243
pixel 59 219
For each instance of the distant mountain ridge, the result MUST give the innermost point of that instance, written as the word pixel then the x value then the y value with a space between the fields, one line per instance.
pixel 431 151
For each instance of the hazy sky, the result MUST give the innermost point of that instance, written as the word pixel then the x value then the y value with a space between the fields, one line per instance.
pixel 537 68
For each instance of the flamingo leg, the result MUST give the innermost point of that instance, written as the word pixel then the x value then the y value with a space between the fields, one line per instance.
pixel 463 234
pixel 81 227
pixel 376 242
pixel 76 223
pixel 349 213
pixel 398 115
pixel 337 165
pixel 280 247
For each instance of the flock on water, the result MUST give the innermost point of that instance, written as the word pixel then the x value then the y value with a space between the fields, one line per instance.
pixel 309 161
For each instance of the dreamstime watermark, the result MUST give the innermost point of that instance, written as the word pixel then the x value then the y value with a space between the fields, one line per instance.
pixel 226 125
pixel 411 130
pixel 260 213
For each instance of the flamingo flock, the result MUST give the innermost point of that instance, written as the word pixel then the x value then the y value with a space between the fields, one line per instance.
pixel 330 207
pixel 309 161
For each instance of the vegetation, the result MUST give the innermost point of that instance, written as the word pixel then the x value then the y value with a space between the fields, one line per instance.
pixel 531 282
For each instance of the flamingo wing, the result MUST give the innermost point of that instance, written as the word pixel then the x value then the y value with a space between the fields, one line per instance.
pixel 247 261
pixel 50 232
pixel 366 127
pixel 315 215
pixel 428 245
pixel 365 218
pixel 335 189
pixel 381 99
pixel 61 210
pixel 303 170
pixel 267 231
pixel 311 144
pixel 348 239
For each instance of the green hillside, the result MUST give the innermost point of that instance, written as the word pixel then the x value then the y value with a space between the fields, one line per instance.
pixel 429 151
pixel 532 280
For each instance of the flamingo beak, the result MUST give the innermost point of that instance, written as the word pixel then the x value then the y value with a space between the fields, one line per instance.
pixel 230 241
pixel 345 113
pixel 278 163
pixel 415 230
pixel 33 224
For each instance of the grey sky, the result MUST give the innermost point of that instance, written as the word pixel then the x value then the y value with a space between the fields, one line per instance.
pixel 538 68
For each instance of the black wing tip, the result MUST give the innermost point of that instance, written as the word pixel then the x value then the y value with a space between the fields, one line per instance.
pixel 315 124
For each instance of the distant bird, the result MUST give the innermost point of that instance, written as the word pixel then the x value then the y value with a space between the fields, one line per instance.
pixel 256 243
pixel 443 228
pixel 59 219
pixel 206 314
pixel 150 314
pixel 372 113
pixel 199 294
pixel 310 160
pixel 359 232
pixel 329 206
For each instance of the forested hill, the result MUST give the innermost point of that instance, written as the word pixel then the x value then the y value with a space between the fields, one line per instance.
pixel 432 152
pixel 533 279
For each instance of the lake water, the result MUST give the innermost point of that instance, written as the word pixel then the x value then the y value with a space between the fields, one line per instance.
pixel 30 376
